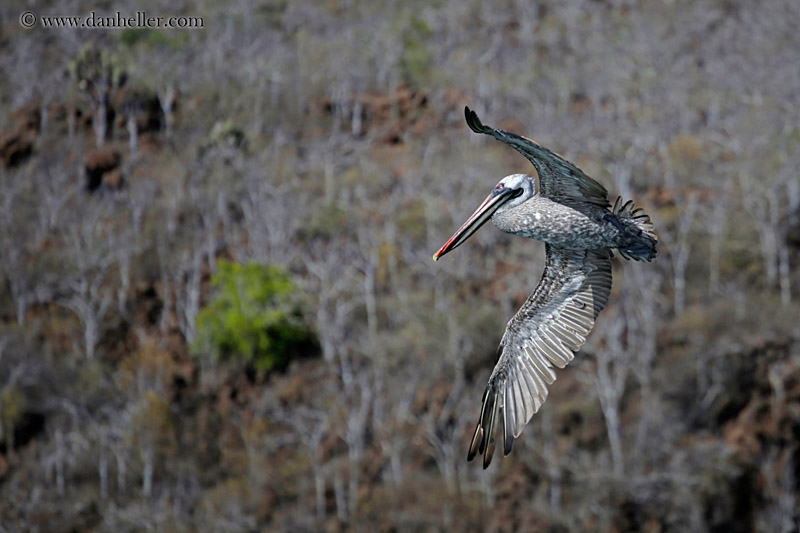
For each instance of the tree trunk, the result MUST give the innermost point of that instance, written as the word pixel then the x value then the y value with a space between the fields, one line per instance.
pixel 133 137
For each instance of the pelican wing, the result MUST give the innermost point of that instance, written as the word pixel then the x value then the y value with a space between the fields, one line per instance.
pixel 559 179
pixel 550 326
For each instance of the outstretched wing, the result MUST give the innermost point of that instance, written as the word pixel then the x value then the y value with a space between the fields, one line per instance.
pixel 559 179
pixel 552 324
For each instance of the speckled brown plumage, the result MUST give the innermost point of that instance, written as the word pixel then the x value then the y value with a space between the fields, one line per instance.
pixel 571 214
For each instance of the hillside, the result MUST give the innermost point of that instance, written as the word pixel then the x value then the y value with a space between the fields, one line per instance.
pixel 218 309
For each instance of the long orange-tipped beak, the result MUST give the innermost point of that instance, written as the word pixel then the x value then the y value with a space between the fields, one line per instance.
pixel 477 219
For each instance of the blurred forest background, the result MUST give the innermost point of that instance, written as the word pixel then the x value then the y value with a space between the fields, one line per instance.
pixel 218 309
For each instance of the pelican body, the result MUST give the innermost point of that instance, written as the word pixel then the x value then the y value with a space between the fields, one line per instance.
pixel 571 214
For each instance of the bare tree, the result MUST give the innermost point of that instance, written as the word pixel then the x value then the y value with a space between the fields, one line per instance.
pixel 96 72
pixel 124 247
pixel 14 261
pixel 166 97
pixel 88 293
pixel 445 442
pixel 551 460
pixel 271 217
pixel 331 281
pixel 644 312
pixel 133 107
pixel 167 291
pixel 611 370
pixel 358 396
pixel 140 196
pixel 56 188
pixel 17 269
pixel 763 207
pixel 778 474
pixel 679 246
pixel 187 292
pixel 389 427
pixel 312 425
pixel 715 220
pixel 368 266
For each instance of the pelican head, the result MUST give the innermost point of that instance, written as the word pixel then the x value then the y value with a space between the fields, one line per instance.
pixel 509 192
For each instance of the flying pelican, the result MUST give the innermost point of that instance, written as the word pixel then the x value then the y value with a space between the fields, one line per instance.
pixel 571 214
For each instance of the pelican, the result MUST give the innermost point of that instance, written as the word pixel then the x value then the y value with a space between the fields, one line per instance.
pixel 571 214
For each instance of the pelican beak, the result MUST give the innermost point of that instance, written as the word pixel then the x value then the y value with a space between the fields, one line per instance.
pixel 478 219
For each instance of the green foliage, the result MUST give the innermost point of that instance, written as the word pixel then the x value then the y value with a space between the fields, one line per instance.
pixel 12 407
pixel 153 39
pixel 417 57
pixel 412 222
pixel 96 66
pixel 252 315
pixel 133 36
pixel 273 12
pixel 326 221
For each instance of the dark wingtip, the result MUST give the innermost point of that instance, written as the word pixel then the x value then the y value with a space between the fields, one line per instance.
pixel 508 441
pixel 474 122
pixel 477 440
pixel 487 457
pixel 470 116
pixel 490 428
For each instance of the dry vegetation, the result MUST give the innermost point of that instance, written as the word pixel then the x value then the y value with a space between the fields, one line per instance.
pixel 327 139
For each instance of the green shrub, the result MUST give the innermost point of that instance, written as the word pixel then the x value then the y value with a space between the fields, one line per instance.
pixel 253 314
pixel 416 58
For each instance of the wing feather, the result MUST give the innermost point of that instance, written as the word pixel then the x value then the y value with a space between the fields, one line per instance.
pixel 559 179
pixel 520 404
pixel 546 331
pixel 508 436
